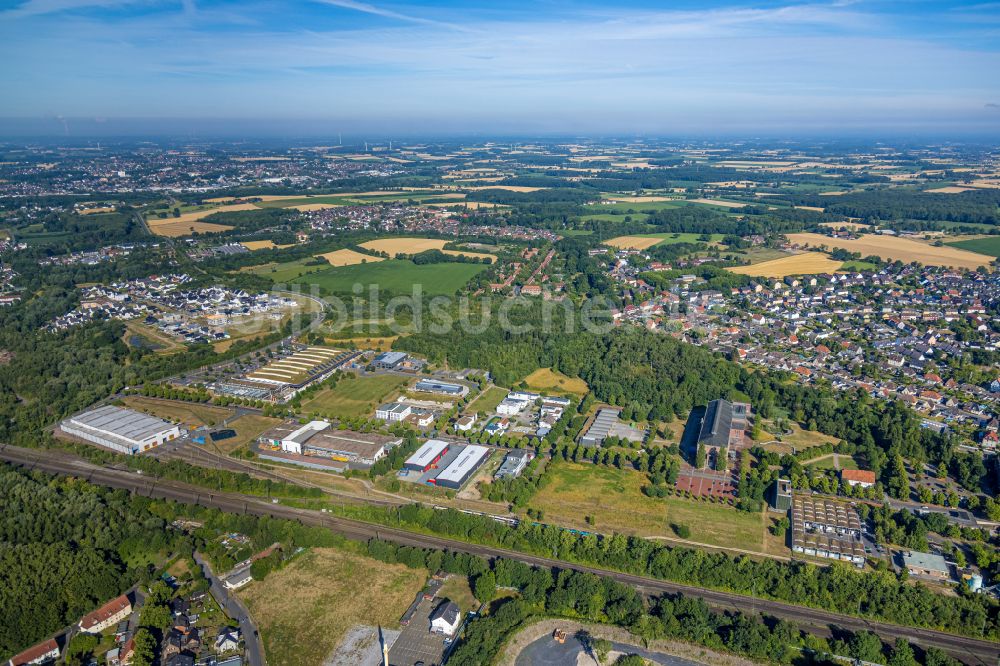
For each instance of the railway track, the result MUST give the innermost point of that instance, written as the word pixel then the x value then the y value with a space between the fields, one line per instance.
pixel 971 651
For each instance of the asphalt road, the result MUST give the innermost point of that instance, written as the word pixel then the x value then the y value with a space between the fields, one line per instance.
pixel 235 608
pixel 968 650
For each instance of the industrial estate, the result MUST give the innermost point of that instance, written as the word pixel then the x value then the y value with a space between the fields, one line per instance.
pixel 478 402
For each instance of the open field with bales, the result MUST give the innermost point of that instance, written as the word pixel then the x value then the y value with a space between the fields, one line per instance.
pixel 347 257
pixel 553 381
pixel 304 609
pixel 394 276
pixel 807 263
pixel 892 248
pixel 614 498
pixel 354 397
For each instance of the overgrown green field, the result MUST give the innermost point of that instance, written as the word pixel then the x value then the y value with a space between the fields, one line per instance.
pixel 395 276
pixel 614 498
pixel 351 398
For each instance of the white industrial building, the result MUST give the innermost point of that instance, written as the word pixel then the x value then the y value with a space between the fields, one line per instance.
pixel 123 430
pixel 463 467
pixel 393 411
pixel 426 456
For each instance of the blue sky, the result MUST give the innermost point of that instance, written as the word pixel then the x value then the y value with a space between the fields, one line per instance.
pixel 556 66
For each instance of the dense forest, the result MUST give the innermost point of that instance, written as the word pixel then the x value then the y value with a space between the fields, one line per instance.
pixel 66 547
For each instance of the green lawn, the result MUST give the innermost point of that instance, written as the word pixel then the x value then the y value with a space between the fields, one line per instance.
pixel 990 246
pixel 395 276
pixel 571 491
pixel 647 206
pixel 488 400
pixel 857 266
pixel 289 270
pixel 351 398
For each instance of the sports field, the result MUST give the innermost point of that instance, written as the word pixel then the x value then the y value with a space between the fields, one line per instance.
pixel 614 498
pixel 395 276
pixel 989 245
pixel 806 263
pixel 305 609
pixel 892 248
pixel 347 257
pixel 354 397
pixel 552 381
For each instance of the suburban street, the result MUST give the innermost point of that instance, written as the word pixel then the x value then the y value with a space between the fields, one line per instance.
pixel 235 608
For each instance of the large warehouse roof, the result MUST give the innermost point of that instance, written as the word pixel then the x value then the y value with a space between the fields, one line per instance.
pixel 465 463
pixel 431 449
pixel 125 423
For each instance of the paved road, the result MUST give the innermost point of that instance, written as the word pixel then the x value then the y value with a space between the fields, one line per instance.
pixel 235 608
pixel 968 650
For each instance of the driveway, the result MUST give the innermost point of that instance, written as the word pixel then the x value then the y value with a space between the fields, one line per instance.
pixel 235 608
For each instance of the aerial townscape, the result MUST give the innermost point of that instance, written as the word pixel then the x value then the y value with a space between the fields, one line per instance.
pixel 516 349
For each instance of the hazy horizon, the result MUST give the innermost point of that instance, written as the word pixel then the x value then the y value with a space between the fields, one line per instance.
pixel 563 67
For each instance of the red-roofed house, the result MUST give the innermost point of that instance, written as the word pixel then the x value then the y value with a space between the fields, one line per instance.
pixel 106 616
pixel 42 653
pixel 858 477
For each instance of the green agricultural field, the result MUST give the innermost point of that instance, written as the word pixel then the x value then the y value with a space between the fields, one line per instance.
pixel 355 397
pixel 395 276
pixel 286 271
pixel 614 498
pixel 989 245
pixel 673 239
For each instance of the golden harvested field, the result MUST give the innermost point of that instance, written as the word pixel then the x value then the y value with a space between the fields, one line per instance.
pixel 96 211
pixel 347 257
pixel 186 222
pixel 177 229
pixel 844 225
pixel 949 190
pixel 633 242
pixel 718 202
pixel 547 379
pixel 261 245
pixel 892 248
pixel 306 608
pixel 509 188
pixel 818 209
pixel 796 264
pixel 394 246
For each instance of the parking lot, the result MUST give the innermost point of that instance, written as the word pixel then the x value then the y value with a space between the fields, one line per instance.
pixel 416 643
